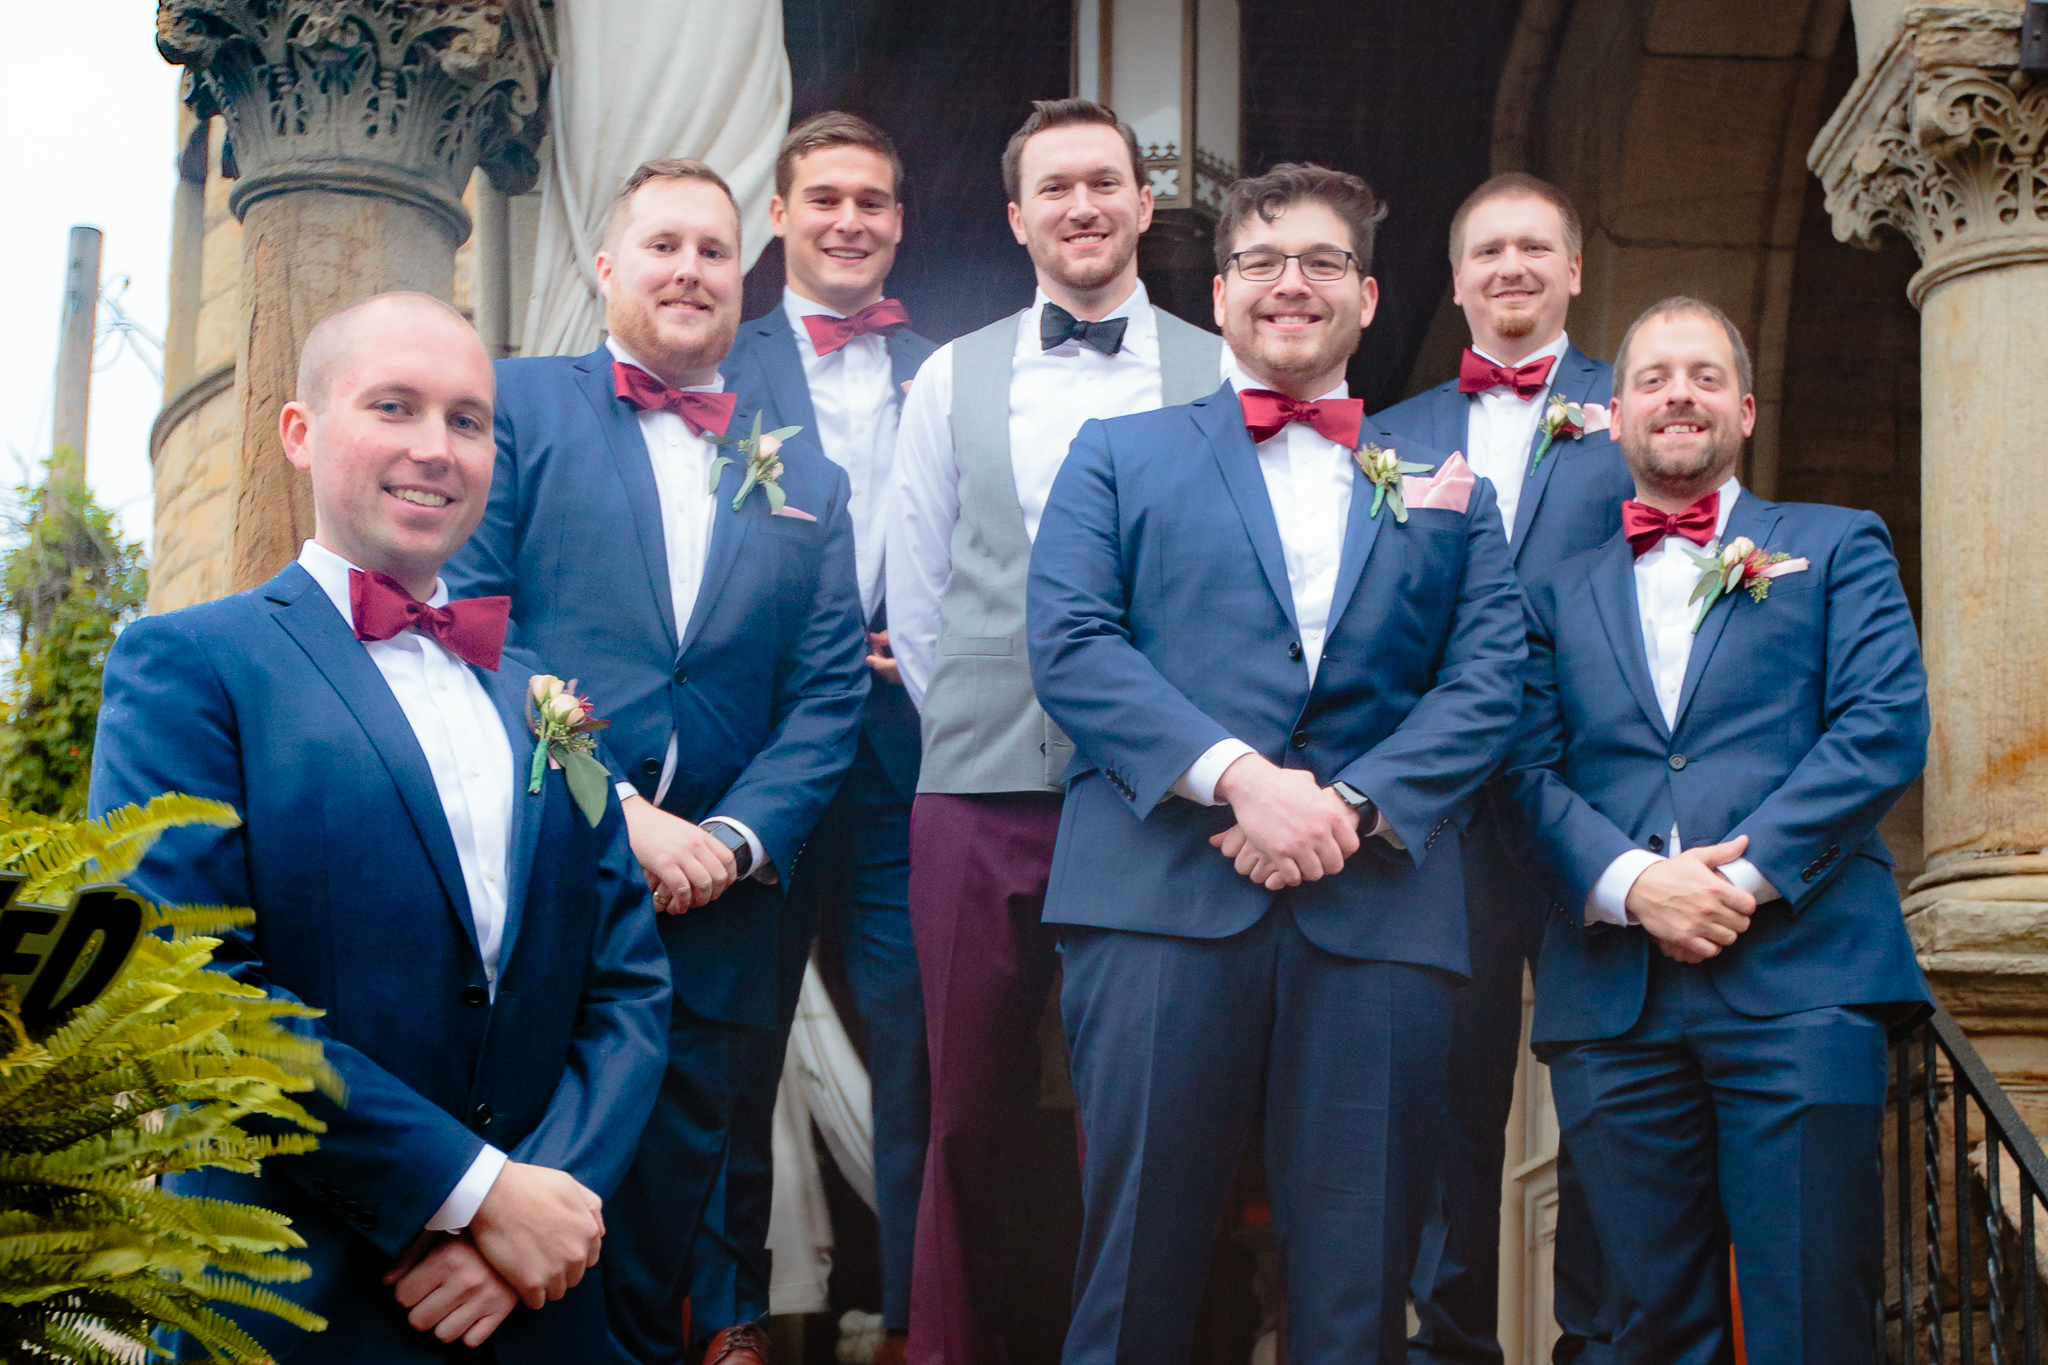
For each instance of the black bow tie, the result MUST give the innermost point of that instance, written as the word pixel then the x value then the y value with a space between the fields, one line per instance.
pixel 1056 325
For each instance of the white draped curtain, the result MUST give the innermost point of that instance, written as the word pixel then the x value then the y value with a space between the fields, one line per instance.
pixel 635 80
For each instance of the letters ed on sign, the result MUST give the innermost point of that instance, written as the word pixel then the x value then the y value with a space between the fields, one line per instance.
pixel 59 958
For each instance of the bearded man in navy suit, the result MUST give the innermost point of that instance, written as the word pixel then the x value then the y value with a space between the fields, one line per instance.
pixel 1286 671
pixel 496 997
pixel 835 358
pixel 707 601
pixel 1515 269
pixel 1722 702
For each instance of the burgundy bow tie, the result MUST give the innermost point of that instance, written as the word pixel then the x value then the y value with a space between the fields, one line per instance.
pixel 1646 527
pixel 1338 419
pixel 1477 374
pixel 828 333
pixel 700 411
pixel 473 629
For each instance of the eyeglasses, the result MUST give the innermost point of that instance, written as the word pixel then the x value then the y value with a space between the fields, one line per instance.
pixel 1263 267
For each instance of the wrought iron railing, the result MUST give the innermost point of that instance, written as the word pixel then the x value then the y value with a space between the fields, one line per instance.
pixel 1963 1179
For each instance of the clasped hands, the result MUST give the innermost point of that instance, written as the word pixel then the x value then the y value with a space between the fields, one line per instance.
pixel 685 867
pixel 1691 911
pixel 530 1242
pixel 1289 829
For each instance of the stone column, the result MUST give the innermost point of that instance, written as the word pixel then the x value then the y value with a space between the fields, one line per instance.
pixel 353 126
pixel 1941 139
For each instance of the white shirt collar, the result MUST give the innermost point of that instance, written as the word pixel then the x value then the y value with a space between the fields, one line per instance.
pixel 1555 350
pixel 330 571
pixel 717 384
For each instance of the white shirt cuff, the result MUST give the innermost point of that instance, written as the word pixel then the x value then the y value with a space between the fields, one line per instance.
pixel 1383 828
pixel 1609 902
pixel 1744 874
pixel 626 790
pixel 467 1197
pixel 1198 783
pixel 763 870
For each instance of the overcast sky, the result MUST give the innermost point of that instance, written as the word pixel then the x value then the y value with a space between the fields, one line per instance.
pixel 94 143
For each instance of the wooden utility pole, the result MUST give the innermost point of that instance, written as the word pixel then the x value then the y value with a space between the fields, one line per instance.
pixel 74 351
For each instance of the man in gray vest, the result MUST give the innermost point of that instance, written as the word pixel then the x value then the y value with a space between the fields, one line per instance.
pixel 983 432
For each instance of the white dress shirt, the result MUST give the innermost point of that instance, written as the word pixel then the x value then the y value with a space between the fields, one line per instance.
pixel 1051 394
pixel 682 472
pixel 1500 433
pixel 854 396
pixel 1665 577
pixel 463 737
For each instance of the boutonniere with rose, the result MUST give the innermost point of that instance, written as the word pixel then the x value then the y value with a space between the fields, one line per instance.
pixel 564 732
pixel 1562 417
pixel 761 451
pixel 1384 466
pixel 1737 565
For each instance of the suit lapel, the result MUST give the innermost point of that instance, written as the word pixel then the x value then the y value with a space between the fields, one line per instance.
pixel 783 369
pixel 905 359
pixel 508 693
pixel 309 617
pixel 628 447
pixel 1613 578
pixel 1450 418
pixel 1222 421
pixel 1361 529
pixel 1575 375
pixel 729 531
pixel 1752 517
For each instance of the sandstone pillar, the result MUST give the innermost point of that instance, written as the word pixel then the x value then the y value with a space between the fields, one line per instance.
pixel 1941 138
pixel 353 127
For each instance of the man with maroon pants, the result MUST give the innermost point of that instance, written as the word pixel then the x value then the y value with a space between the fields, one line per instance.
pixel 983 432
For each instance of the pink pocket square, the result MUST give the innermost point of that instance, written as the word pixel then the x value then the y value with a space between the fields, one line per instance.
pixel 1449 489
pixel 787 511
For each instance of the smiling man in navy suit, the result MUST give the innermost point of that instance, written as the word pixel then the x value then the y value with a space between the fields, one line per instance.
pixel 496 995
pixel 1286 671
pixel 1701 766
pixel 717 622
pixel 1515 270
pixel 835 358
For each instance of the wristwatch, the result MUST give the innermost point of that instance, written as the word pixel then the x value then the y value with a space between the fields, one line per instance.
pixel 742 855
pixel 1368 814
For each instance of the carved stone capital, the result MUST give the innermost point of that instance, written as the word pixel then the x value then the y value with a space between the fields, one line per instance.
pixel 398 98
pixel 1942 139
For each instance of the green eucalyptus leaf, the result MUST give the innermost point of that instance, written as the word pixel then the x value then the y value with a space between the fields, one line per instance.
pixel 717 468
pixel 784 433
pixel 1379 496
pixel 1400 506
pixel 776 497
pixel 589 783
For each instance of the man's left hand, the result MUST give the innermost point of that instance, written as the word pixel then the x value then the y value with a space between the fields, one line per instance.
pixel 448 1288
pixel 881 662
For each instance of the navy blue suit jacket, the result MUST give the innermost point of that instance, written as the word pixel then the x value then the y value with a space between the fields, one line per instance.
pixel 767 372
pixel 1801 719
pixel 764 689
pixel 1161 621
pixel 1569 505
pixel 266 701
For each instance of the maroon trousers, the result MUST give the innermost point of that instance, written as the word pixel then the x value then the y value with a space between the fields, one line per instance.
pixel 978 869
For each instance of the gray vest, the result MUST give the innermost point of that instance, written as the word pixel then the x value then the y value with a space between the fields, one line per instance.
pixel 983 728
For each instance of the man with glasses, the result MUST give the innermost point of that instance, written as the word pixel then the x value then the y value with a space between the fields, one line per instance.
pixel 1287 647
pixel 983 432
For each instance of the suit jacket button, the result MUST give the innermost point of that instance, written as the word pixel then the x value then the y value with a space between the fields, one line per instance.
pixel 1656 843
pixel 483 1116
pixel 1294 649
pixel 650 767
pixel 475 995
pixel 1806 874
pixel 682 674
pixel 1677 762
pixel 1301 739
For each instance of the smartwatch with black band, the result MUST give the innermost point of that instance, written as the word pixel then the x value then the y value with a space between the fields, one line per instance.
pixel 1368 814
pixel 742 855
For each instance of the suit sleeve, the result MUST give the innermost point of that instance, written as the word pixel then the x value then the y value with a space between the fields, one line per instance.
pixel 821 690
pixel 1574 842
pixel 487 564
pixel 1122 714
pixel 1875 742
pixel 389 1156
pixel 1429 769
pixel 620 1046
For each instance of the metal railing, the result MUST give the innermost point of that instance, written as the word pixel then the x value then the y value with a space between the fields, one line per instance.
pixel 1963 1177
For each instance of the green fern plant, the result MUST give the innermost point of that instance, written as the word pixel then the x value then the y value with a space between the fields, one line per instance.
pixel 154 1078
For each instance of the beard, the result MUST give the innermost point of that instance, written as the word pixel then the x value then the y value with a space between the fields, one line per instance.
pixel 1082 276
pixel 701 346
pixel 1514 326
pixel 1285 363
pixel 1675 472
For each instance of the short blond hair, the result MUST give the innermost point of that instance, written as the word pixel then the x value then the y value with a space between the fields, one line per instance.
pixel 663 168
pixel 329 340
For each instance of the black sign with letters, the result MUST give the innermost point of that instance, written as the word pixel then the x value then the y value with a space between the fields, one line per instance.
pixel 58 958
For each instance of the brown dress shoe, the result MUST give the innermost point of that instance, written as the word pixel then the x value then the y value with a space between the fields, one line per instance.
pixel 745 1344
